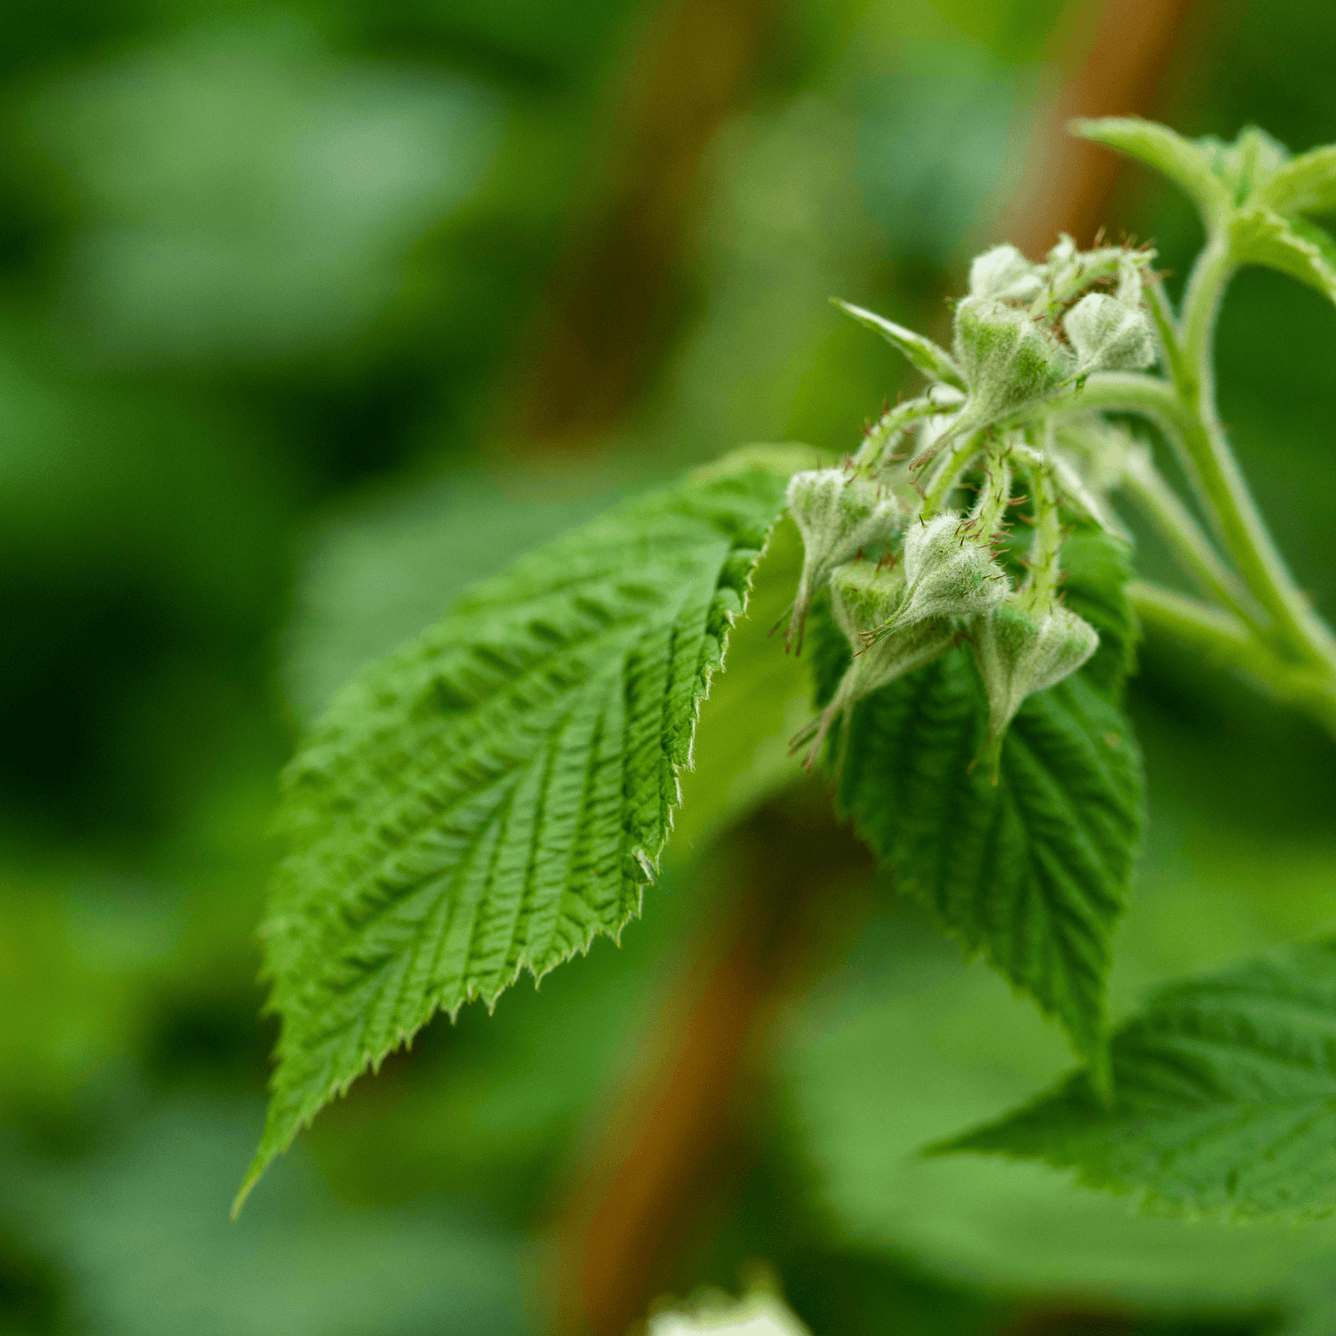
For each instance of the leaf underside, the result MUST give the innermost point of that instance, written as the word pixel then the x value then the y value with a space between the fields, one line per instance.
pixel 496 793
pixel 1032 871
pixel 1225 1097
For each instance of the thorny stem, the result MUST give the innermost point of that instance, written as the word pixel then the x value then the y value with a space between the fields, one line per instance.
pixel 1047 545
pixel 1145 485
pixel 944 480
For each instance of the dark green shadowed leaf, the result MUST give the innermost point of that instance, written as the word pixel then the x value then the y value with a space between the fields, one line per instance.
pixel 494 794
pixel 1032 871
pixel 1225 1097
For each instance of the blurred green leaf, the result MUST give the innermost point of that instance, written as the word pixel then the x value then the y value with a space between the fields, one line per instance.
pixel 1224 1097
pixel 1294 246
pixel 1185 163
pixel 1306 184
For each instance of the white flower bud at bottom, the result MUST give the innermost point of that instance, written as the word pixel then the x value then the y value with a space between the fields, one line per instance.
pixel 838 515
pixel 1019 653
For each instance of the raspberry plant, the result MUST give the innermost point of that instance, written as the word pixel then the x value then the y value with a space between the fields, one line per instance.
pixel 498 792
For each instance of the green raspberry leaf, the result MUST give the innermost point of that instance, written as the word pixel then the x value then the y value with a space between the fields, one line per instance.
pixel 1306 184
pixel 1224 1103
pixel 935 362
pixel 1292 245
pixel 1186 164
pixel 494 794
pixel 1032 871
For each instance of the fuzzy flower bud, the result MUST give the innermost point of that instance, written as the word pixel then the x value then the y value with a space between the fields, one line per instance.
pixel 864 595
pixel 947 573
pixel 1004 274
pixel 1020 652
pixel 838 515
pixel 1109 334
pixel 1008 359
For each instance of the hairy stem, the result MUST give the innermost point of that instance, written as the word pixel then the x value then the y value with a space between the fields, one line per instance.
pixel 948 473
pixel 1145 485
pixel 1296 629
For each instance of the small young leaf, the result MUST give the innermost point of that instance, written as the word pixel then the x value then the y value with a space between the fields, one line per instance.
pixel 1183 162
pixel 1224 1097
pixel 1306 184
pixel 935 363
pixel 1033 871
pixel 494 794
pixel 1292 245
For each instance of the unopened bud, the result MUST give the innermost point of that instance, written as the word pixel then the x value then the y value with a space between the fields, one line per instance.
pixel 1004 274
pixel 948 572
pixel 1109 335
pixel 1020 652
pixel 863 596
pixel 1008 358
pixel 838 515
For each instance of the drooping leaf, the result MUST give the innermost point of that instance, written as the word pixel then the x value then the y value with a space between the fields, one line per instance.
pixel 1224 1097
pixel 1032 871
pixel 934 361
pixel 1186 164
pixel 494 794
pixel 1306 184
pixel 1292 245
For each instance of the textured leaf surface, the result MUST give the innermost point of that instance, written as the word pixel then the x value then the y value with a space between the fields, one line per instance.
pixel 494 794
pixel 1225 1097
pixel 1033 871
pixel 1294 246
pixel 934 361
pixel 1182 161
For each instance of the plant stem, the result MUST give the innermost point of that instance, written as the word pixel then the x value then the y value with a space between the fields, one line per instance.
pixel 1227 641
pixel 945 478
pixel 1146 486
pixel 1229 502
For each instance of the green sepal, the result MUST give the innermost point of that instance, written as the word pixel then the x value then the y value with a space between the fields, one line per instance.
pixel 1010 360
pixel 1020 651
pixel 935 362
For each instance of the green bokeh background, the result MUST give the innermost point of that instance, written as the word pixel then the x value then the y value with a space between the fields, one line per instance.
pixel 268 278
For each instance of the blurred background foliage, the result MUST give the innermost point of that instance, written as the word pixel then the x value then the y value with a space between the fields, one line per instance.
pixel 310 315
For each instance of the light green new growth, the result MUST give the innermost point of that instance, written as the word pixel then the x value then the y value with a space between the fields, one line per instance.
pixel 496 793
pixel 1224 1103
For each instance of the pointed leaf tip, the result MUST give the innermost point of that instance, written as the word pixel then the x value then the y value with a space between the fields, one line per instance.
pixel 934 361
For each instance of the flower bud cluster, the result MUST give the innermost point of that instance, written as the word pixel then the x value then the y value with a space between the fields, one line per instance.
pixel 909 571
pixel 1026 329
